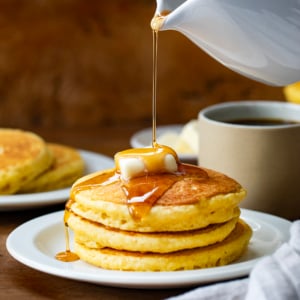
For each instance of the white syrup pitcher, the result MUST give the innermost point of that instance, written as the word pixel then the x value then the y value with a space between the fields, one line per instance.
pixel 257 38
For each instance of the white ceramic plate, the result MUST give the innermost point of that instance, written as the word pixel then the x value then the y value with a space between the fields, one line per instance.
pixel 36 242
pixel 143 138
pixel 93 162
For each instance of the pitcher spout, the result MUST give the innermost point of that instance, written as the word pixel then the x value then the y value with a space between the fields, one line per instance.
pixel 258 39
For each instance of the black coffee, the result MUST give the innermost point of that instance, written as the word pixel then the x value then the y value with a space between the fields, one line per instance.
pixel 261 122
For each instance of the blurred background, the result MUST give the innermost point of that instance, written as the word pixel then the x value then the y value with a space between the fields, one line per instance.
pixel 82 66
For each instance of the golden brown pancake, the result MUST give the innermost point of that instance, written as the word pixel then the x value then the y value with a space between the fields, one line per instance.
pixel 95 235
pixel 67 167
pixel 153 213
pixel 23 156
pixel 218 254
pixel 196 202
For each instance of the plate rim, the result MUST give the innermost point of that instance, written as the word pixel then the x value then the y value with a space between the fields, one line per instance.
pixel 40 199
pixel 126 278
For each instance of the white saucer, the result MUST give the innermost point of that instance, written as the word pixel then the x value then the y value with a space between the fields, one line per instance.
pixel 36 242
pixel 143 139
pixel 93 162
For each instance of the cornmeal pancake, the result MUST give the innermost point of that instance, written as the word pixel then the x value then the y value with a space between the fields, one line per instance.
pixel 95 235
pixel 153 213
pixel 23 156
pixel 67 167
pixel 218 254
pixel 196 202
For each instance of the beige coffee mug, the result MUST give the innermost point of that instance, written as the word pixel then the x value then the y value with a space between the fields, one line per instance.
pixel 263 158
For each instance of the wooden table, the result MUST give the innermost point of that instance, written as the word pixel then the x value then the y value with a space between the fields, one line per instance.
pixel 18 281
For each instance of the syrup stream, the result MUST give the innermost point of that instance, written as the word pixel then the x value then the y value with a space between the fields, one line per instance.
pixel 136 210
pixel 67 255
pixel 154 84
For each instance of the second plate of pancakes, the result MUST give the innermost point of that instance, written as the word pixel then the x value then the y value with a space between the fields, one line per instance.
pixel 93 162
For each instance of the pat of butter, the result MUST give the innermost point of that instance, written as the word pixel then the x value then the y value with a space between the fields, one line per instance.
pixel 130 167
pixel 170 163
pixel 142 161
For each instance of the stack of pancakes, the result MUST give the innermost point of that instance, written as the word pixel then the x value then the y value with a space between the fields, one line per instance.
pixel 28 164
pixel 194 224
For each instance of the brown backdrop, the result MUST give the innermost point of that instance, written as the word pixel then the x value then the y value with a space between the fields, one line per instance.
pixel 83 64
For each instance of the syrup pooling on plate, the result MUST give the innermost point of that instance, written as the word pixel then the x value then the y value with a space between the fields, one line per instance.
pixel 67 255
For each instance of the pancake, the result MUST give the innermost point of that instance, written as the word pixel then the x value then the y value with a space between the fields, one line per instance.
pixel 67 167
pixel 95 235
pixel 23 156
pixel 197 202
pixel 218 254
pixel 153 213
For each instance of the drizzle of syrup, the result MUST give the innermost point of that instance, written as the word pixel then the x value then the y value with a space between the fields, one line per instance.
pixel 67 255
pixel 142 191
pixel 155 24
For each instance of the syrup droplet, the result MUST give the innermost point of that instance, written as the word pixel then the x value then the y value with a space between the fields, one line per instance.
pixel 67 255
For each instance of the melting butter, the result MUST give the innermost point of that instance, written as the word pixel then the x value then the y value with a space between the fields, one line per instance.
pixel 138 162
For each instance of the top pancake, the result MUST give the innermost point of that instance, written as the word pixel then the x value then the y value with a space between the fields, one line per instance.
pixel 23 156
pixel 188 190
pixel 196 201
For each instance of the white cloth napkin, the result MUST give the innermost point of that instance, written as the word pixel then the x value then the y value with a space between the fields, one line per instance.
pixel 275 277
